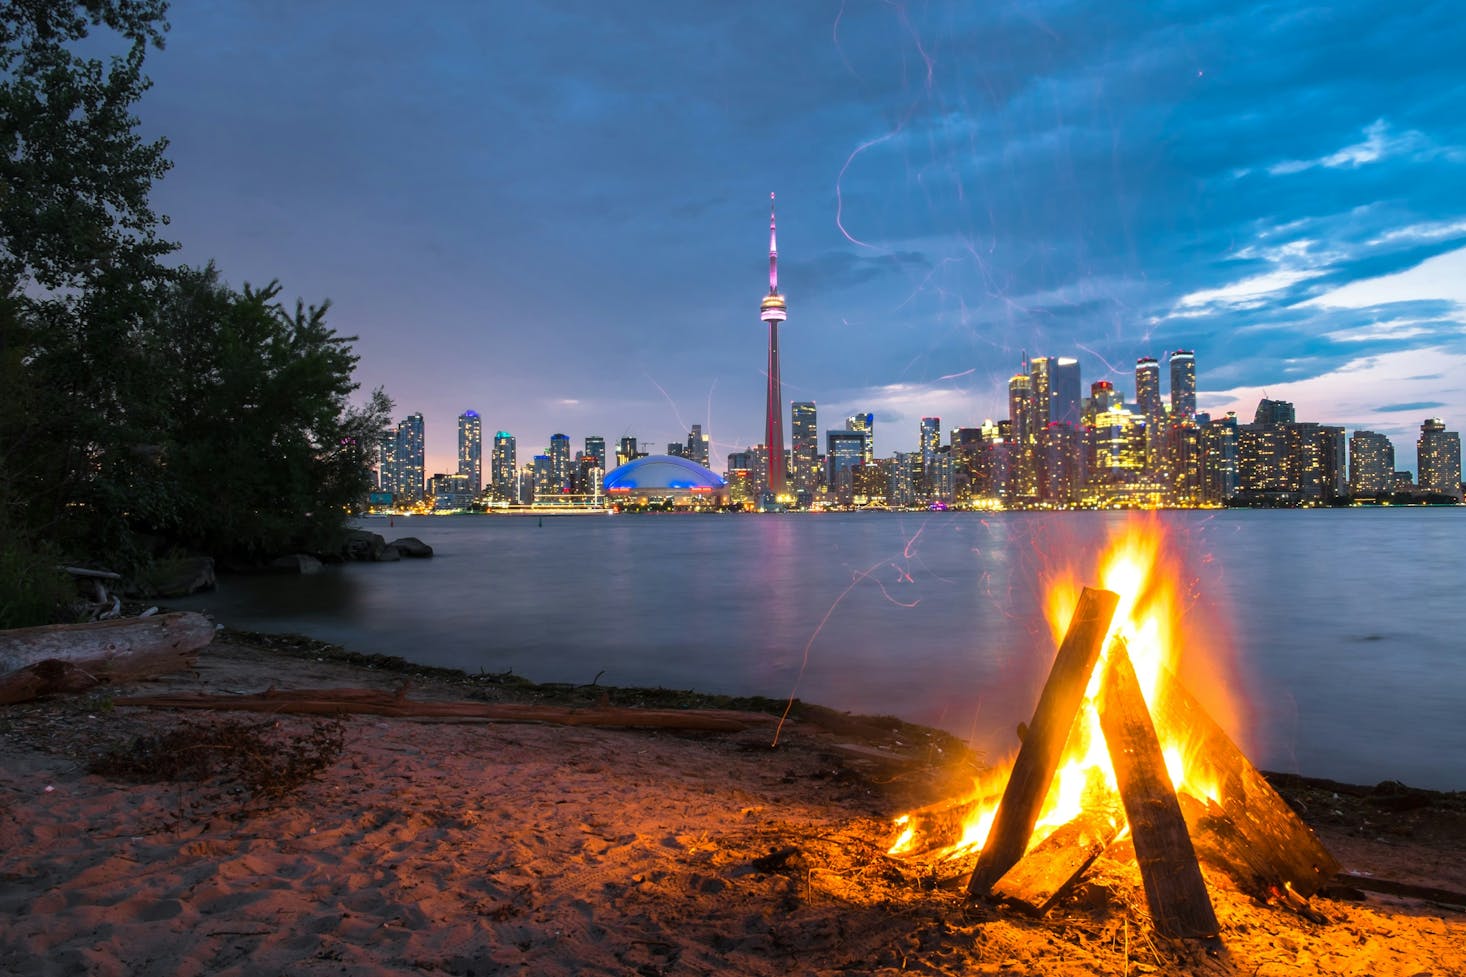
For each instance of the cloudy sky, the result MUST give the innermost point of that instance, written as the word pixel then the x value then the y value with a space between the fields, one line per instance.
pixel 556 213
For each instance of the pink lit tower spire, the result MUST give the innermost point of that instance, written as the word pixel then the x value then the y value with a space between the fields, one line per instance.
pixel 773 312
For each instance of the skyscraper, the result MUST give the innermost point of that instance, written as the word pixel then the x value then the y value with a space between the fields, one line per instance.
pixel 931 439
pixel 1183 384
pixel 844 451
pixel 595 447
pixel 471 449
pixel 1064 399
pixel 866 424
pixel 559 463
pixel 697 445
pixel 804 431
pixel 1371 465
pixel 773 311
pixel 1438 459
pixel 504 472
pixel 1038 383
pixel 410 453
pixel 1148 389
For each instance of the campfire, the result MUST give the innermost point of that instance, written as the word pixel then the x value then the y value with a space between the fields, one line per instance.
pixel 1119 749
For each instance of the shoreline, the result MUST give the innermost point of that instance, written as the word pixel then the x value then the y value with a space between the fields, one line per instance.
pixel 435 846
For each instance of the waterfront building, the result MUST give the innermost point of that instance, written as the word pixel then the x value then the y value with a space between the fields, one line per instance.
pixel 545 487
pixel 901 479
pixel 1183 384
pixel 595 447
pixel 868 481
pixel 1219 447
pixel 843 451
pixel 1024 436
pixel 1371 465
pixel 1438 459
pixel 471 449
pixel 1266 465
pixel 1065 404
pixel 1274 412
pixel 805 456
pixel 865 424
pixel 677 449
pixel 1117 454
pixel 408 459
pixel 559 452
pixel 929 439
pixel 740 461
pixel 503 468
pixel 1062 471
pixel 451 493
pixel 386 474
pixel 773 311
pixel 1321 462
pixel 665 480
pixel 1149 406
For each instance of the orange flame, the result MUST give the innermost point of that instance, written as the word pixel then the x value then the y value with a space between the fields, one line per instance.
pixel 1147 624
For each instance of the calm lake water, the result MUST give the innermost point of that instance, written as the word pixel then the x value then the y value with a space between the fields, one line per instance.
pixel 1342 632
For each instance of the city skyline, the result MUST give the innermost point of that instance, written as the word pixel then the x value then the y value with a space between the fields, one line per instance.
pixel 551 215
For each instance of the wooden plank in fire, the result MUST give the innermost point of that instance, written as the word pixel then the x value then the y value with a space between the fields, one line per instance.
pixel 1261 841
pixel 1052 866
pixel 1169 871
pixel 1038 758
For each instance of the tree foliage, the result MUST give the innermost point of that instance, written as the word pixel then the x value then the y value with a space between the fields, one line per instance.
pixel 143 406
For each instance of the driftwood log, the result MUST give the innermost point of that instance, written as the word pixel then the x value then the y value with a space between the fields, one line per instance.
pixel 340 702
pixel 1169 871
pixel 73 657
pixel 1038 757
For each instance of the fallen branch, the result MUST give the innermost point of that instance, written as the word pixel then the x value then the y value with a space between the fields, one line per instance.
pixel 339 702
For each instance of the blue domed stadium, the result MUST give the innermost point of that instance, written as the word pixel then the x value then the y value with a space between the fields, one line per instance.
pixel 666 477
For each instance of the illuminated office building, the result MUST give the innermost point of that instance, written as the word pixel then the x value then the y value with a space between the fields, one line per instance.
pixel 805 458
pixel 1183 384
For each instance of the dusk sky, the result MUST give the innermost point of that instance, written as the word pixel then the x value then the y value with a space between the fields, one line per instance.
pixel 556 214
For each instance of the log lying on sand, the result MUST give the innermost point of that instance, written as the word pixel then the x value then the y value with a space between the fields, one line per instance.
pixel 940 825
pixel 73 657
pixel 341 702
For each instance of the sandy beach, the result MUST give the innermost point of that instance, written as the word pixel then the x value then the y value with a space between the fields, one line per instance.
pixel 475 848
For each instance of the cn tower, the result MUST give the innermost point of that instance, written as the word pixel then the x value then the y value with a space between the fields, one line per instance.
pixel 773 312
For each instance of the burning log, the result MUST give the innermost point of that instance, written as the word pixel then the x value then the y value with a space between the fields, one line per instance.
pixel 1260 840
pixel 1174 887
pixel 1038 758
pixel 937 826
pixel 1052 866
